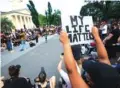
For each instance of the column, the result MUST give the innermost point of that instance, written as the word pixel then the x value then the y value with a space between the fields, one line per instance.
pixel 21 22
pixel 28 21
pixel 17 23
pixel 25 21
pixel 32 26
pixel 13 20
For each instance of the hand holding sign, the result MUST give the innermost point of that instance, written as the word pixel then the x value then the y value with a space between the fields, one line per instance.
pixel 64 37
pixel 95 31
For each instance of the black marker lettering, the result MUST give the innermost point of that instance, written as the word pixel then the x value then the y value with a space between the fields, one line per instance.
pixel 75 38
pixel 79 35
pixel 74 21
pixel 80 28
pixel 81 19
pixel 67 29
pixel 70 37
pixel 75 31
pixel 86 28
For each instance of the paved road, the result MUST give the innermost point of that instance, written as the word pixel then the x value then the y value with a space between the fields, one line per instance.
pixel 45 54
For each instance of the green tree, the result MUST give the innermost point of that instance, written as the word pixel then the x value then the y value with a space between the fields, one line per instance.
pixel 57 17
pixel 53 18
pixel 101 10
pixel 34 13
pixel 49 14
pixel 6 25
pixel 42 20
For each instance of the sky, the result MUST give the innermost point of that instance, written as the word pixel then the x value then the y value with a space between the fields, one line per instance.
pixel 66 6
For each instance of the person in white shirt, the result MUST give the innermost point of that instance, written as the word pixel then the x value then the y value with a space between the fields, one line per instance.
pixel 104 29
pixel 64 74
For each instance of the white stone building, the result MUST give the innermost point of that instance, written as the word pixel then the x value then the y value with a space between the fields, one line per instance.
pixel 20 17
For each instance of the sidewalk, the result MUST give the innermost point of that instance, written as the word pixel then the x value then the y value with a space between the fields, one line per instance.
pixel 7 57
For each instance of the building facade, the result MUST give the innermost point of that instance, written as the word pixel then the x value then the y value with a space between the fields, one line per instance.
pixel 19 15
pixel 20 18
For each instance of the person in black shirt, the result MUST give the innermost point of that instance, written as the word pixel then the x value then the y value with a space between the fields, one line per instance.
pixel 111 39
pixel 15 81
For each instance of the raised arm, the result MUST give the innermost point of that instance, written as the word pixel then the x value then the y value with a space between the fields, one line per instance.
pixel 75 78
pixel 102 53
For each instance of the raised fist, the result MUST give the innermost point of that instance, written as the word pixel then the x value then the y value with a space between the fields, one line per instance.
pixel 64 37
pixel 95 31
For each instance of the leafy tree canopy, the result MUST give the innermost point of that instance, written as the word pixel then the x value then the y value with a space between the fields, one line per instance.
pixel 34 13
pixel 6 25
pixel 102 10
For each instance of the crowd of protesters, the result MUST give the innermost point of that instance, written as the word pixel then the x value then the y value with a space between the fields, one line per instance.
pixel 81 72
pixel 110 35
pixel 19 37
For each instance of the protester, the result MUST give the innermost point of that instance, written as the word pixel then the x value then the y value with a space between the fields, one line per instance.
pixel 23 39
pixel 103 29
pixel 111 39
pixel 36 36
pixel 3 43
pixel 9 42
pixel 76 50
pixel 17 40
pixel 64 76
pixel 100 73
pixel 15 81
pixel 42 82
pixel 46 36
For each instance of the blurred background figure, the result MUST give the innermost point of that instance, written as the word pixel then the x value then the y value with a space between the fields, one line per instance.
pixel 42 82
pixel 15 81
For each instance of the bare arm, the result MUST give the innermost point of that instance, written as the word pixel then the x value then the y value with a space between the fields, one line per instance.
pixel 107 38
pixel 75 78
pixel 102 53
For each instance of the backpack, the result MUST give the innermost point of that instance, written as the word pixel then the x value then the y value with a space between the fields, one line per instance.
pixel 31 44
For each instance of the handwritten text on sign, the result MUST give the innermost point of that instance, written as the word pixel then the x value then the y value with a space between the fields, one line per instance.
pixel 79 29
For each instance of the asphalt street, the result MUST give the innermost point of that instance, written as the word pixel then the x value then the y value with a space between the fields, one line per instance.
pixel 45 55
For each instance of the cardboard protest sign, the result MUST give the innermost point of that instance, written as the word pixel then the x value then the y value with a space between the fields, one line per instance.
pixel 78 28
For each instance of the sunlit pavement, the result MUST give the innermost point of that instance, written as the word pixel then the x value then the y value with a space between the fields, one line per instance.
pixel 7 56
pixel 31 60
